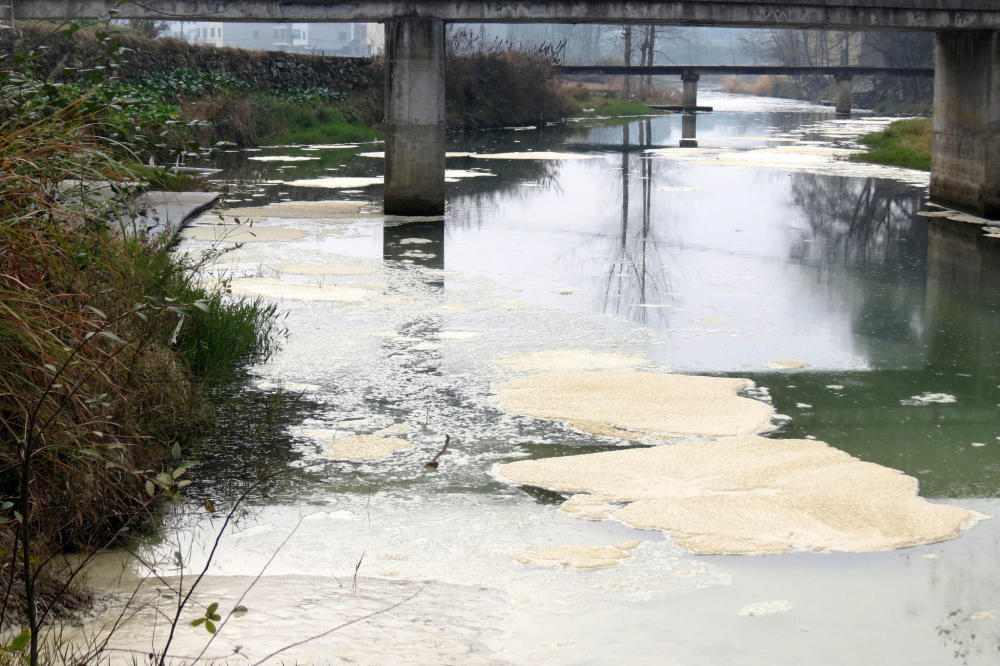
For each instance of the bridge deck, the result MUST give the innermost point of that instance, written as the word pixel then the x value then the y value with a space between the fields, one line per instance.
pixel 830 14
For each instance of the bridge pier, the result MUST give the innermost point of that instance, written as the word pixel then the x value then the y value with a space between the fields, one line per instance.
pixel 414 116
pixel 845 87
pixel 965 160
pixel 690 101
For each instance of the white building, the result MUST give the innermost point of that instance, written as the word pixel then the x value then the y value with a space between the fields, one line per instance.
pixel 343 39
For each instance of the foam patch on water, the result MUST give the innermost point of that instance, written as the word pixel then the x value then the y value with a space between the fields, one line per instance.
pixel 752 495
pixel 326 269
pixel 301 210
pixel 787 365
pixel 278 289
pixel 379 154
pixel 282 158
pixel 578 557
pixel 336 182
pixel 772 607
pixel 243 233
pixel 536 155
pixel 365 447
pixel 645 402
pixel 929 398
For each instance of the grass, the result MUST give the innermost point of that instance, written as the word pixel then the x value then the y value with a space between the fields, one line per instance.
pixel 311 123
pixel 619 107
pixel 904 143
pixel 602 101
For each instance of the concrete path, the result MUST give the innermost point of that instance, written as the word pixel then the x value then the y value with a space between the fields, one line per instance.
pixel 168 212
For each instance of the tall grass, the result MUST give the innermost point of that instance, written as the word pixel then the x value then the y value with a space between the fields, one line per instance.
pixel 490 83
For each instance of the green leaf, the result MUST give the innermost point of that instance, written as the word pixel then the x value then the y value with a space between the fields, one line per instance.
pixel 201 304
pixel 177 473
pixel 195 623
pixel 111 336
pixel 150 488
pixel 20 641
pixel 175 451
pixel 6 505
pixel 210 626
pixel 95 311
pixel 214 606
pixel 164 479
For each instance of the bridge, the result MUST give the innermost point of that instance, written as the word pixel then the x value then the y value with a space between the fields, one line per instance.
pixel 966 152
pixel 690 74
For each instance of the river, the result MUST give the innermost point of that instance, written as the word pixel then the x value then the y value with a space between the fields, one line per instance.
pixel 759 253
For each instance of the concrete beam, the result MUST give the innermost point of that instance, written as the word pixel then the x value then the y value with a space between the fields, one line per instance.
pixel 965 159
pixel 414 117
pixel 829 14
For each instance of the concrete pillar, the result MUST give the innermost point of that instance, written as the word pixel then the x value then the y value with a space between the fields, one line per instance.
pixel 845 87
pixel 690 103
pixel 414 117
pixel 965 162
pixel 689 131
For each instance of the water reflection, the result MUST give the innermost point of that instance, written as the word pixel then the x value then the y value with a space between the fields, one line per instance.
pixel 415 347
pixel 636 277
pixel 689 130
pixel 924 312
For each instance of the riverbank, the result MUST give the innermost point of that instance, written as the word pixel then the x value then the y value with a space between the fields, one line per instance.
pixel 904 143
pixel 109 340
pixel 258 98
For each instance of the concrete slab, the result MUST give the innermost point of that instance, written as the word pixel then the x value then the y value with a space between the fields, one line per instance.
pixel 168 212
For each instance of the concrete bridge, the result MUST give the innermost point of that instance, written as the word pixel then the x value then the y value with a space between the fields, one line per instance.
pixel 690 74
pixel 966 153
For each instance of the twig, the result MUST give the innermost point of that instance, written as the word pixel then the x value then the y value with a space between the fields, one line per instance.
pixel 433 462
pixel 249 587
pixel 357 567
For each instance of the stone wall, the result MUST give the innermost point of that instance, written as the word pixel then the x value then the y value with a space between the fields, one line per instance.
pixel 267 70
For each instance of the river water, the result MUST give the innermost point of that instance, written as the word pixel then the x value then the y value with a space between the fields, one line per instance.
pixel 758 254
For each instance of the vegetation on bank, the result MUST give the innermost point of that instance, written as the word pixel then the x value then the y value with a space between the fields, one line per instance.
pixel 599 106
pixel 904 143
pixel 106 337
pixel 766 86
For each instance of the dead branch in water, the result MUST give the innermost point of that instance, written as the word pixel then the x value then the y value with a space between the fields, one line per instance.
pixel 433 462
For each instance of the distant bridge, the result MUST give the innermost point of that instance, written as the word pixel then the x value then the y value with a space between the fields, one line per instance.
pixel 709 70
pixel 966 160
pixel 691 73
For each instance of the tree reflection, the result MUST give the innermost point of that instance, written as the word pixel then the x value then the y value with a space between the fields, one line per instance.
pixel 865 224
pixel 868 229
pixel 636 278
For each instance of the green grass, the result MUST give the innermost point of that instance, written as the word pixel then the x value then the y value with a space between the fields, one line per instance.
pixel 594 106
pixel 315 122
pixel 904 143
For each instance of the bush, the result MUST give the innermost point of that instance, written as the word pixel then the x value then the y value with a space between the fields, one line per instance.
pixel 492 84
